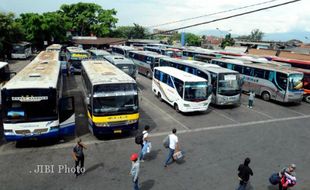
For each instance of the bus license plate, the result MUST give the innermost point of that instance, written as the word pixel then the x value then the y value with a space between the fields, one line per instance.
pixel 117 131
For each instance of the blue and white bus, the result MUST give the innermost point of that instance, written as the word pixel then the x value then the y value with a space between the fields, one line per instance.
pixel 225 83
pixel 184 91
pixel 122 50
pixel 269 81
pixel 32 103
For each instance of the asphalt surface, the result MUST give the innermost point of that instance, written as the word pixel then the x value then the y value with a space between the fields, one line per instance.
pixel 273 135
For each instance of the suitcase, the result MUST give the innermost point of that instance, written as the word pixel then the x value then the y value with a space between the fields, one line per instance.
pixel 274 179
pixel 177 156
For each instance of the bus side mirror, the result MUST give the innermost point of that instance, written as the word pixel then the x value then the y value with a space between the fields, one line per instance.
pixel 87 100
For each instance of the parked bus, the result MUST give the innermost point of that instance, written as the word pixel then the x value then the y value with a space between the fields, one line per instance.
pixel 98 53
pixel 32 102
pixel 5 75
pixel 111 97
pixel 184 91
pixel 267 80
pixel 54 47
pixel 225 83
pixel 21 50
pixel 74 57
pixel 122 50
pixel 145 61
pixel 170 52
pixel 301 66
pixel 190 53
pixel 124 64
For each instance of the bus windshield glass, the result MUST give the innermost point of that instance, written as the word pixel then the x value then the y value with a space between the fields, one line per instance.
pixel 29 105
pixel 195 91
pixel 228 84
pixel 18 49
pixel 295 82
pixel 115 104
pixel 79 56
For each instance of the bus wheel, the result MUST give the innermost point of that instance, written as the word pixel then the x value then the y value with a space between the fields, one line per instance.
pixel 307 98
pixel 148 74
pixel 266 96
pixel 159 97
pixel 176 107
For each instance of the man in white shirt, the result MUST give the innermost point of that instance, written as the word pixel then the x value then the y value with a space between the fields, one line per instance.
pixel 145 141
pixel 173 145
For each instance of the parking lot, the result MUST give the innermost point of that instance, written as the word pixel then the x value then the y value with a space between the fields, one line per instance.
pixel 215 143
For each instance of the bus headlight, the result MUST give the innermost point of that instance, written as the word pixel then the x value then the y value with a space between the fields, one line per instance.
pixel 186 105
pixel 104 124
pixel 132 121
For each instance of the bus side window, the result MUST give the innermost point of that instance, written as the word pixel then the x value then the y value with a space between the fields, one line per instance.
pixel 247 71
pixel 229 66
pixel 238 68
pixel 271 76
pixel 169 81
pixel 157 74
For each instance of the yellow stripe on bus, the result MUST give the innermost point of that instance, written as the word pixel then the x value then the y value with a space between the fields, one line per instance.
pixel 113 118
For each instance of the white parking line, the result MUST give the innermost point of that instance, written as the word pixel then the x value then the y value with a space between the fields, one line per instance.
pixel 261 113
pixel 299 113
pixel 223 115
pixel 91 142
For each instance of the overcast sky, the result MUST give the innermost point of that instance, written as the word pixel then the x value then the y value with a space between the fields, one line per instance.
pixel 292 17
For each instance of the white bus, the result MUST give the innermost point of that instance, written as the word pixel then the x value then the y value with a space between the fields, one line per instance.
pixel 269 81
pixel 184 91
pixel 225 83
pixel 98 53
pixel 32 102
pixel 122 50
pixel 54 47
pixel 74 57
pixel 124 64
pixel 145 61
pixel 21 50
pixel 190 53
pixel 111 97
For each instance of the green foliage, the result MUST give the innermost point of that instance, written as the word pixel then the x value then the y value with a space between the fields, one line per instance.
pixel 89 18
pixel 130 32
pixel 10 31
pixel 190 39
pixel 227 41
pixel 256 35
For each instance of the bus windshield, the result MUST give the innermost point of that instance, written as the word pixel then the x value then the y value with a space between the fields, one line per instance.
pixel 115 105
pixel 228 84
pixel 195 91
pixel 18 49
pixel 295 82
pixel 29 105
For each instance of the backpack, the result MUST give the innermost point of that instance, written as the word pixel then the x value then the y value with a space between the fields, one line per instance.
pixel 139 138
pixel 166 142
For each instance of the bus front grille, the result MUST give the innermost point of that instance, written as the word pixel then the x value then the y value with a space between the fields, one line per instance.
pixel 22 132
pixel 39 131
pixel 119 123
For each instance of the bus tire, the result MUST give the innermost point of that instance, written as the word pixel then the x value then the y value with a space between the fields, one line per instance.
pixel 159 97
pixel 307 98
pixel 266 96
pixel 176 107
pixel 148 74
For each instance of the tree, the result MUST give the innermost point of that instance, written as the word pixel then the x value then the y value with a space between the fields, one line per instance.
pixel 131 32
pixel 192 39
pixel 256 35
pixel 89 18
pixel 227 41
pixel 10 31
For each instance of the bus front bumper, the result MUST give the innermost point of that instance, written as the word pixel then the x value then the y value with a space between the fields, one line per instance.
pixel 115 129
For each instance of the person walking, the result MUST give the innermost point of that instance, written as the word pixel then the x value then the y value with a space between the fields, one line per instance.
pixel 173 146
pixel 244 174
pixel 288 177
pixel 78 157
pixel 145 142
pixel 134 172
pixel 251 99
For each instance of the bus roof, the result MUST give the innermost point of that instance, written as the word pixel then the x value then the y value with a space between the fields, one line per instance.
pixel 266 66
pixel 103 72
pixel 73 49
pixel 42 72
pixel 22 43
pixel 116 59
pixel 148 53
pixel 99 52
pixel 201 65
pixel 128 48
pixel 54 47
pixel 3 64
pixel 181 75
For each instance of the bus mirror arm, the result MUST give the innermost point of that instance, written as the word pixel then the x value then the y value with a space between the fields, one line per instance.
pixel 87 100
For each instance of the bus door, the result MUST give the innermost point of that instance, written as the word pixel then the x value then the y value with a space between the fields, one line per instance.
pixel 66 116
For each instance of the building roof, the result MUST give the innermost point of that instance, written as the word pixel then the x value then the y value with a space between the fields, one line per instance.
pixel 99 41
